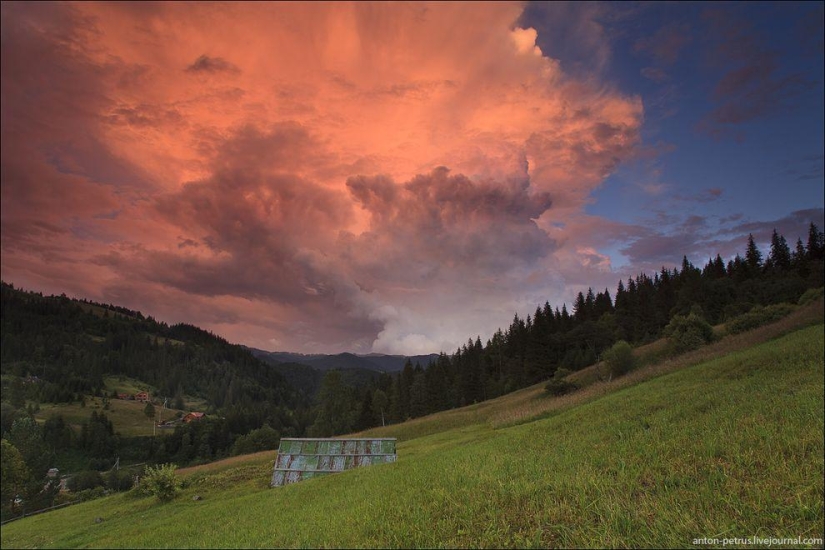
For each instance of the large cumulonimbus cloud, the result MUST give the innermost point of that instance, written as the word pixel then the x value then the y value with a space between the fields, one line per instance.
pixel 313 177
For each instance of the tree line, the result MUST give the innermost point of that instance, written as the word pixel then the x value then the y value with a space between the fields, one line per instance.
pixel 533 349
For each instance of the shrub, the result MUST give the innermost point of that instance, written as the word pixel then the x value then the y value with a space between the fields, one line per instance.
pixel 262 439
pixel 619 358
pixel 82 481
pixel 161 482
pixel 759 316
pixel 811 295
pixel 688 332
pixel 558 385
pixel 119 480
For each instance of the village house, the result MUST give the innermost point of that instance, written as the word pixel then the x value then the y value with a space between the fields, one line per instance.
pixel 192 416
pixel 142 396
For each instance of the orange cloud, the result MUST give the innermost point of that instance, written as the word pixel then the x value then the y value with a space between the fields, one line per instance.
pixel 283 161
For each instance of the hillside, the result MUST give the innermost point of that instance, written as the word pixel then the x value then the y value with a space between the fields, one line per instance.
pixel 305 372
pixel 69 347
pixel 64 363
pixel 309 379
pixel 323 362
pixel 724 442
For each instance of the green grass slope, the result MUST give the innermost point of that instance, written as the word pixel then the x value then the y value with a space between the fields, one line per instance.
pixel 729 447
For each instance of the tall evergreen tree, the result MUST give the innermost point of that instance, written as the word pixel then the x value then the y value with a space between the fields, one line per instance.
pixel 799 259
pixel 753 257
pixel 780 256
pixel 816 242
pixel 335 407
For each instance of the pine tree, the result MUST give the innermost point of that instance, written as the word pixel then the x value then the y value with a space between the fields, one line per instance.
pixel 753 257
pixel 816 242
pixel 780 257
pixel 336 407
pixel 580 308
pixel 799 259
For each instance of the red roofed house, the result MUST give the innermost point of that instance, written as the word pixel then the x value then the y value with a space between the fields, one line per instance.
pixel 142 396
pixel 192 417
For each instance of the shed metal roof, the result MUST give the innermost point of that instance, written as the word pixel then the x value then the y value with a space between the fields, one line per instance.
pixel 305 458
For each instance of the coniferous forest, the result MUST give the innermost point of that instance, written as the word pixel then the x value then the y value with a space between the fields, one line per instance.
pixel 59 350
pixel 533 349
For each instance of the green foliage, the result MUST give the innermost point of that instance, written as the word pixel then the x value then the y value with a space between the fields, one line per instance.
pixel 811 295
pixel 14 475
pixel 688 332
pixel 87 479
pixel 380 404
pixel 557 387
pixel 262 439
pixel 27 436
pixel 71 345
pixel 759 316
pixel 90 494
pixel 161 482
pixel 97 436
pixel 57 433
pixel 149 410
pixel 119 480
pixel 619 358
pixel 336 406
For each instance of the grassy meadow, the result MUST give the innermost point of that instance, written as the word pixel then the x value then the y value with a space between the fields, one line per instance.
pixel 127 416
pixel 724 442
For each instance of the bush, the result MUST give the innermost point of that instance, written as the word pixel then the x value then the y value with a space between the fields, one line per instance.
pixel 262 439
pixel 619 358
pixel 558 385
pixel 688 332
pixel 119 480
pixel 811 295
pixel 161 482
pixel 759 316
pixel 82 481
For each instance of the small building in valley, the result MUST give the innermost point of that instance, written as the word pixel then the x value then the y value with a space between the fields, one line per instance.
pixel 192 416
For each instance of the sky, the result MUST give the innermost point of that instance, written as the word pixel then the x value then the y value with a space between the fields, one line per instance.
pixel 396 177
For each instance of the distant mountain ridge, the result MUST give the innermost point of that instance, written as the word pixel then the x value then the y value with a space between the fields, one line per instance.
pixel 323 362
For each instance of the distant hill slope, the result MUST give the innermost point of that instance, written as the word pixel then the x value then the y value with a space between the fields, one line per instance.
pixel 308 379
pixel 71 345
pixel 305 372
pixel 323 362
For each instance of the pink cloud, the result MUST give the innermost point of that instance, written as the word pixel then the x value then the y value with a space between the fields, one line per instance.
pixel 665 44
pixel 363 176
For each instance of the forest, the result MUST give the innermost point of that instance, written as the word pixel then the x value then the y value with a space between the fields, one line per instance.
pixel 552 338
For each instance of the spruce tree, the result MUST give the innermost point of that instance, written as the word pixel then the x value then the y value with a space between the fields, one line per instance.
pixel 816 242
pixel 780 257
pixel 753 257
